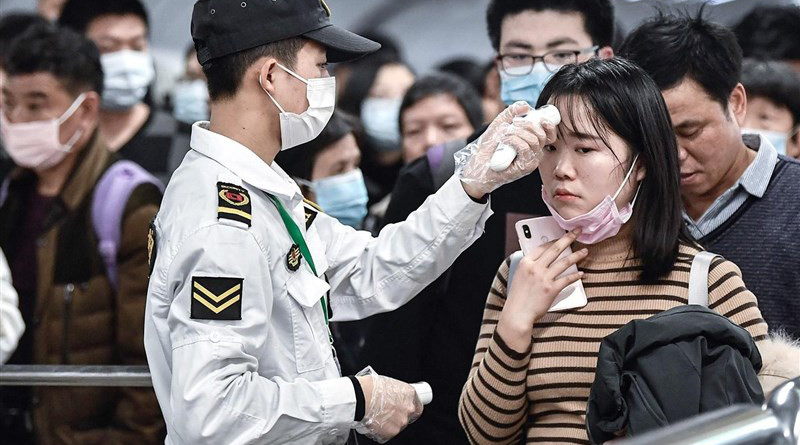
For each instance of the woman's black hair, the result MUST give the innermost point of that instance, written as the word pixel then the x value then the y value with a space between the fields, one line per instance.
pixel 363 75
pixel 622 99
pixel 449 84
pixel 299 161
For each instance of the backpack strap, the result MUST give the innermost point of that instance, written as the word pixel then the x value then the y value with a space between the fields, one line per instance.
pixel 516 257
pixel 698 278
pixel 108 203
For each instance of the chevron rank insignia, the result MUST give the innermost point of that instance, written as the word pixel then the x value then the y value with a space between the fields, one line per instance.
pixel 217 298
pixel 311 210
pixel 234 203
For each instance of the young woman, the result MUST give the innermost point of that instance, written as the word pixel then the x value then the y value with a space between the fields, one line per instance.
pixel 612 176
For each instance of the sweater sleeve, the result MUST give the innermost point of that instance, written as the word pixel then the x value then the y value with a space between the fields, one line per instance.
pixel 727 295
pixel 494 403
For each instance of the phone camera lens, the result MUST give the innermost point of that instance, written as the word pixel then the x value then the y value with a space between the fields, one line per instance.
pixel 527 231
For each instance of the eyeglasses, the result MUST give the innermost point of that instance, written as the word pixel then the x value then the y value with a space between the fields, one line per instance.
pixel 522 64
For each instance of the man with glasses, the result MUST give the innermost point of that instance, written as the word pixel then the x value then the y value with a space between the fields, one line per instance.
pixel 433 337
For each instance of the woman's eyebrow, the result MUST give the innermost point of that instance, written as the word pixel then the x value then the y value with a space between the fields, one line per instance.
pixel 581 135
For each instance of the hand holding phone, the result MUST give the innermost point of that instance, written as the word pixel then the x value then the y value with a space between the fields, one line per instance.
pixel 535 232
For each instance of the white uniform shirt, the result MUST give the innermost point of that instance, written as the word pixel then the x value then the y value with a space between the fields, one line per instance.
pixel 271 377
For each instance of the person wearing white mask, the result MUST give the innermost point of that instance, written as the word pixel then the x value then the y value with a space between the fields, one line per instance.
pixel 75 311
pixel 611 182
pixel 246 275
pixel 130 121
pixel 773 104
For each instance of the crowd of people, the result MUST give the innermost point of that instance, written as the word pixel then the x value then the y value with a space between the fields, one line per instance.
pixel 358 213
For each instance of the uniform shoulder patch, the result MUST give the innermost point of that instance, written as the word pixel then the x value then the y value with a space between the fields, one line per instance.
pixel 234 203
pixel 217 298
pixel 152 248
pixel 311 210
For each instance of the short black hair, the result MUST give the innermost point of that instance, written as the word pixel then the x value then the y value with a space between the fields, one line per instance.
pixel 12 26
pixel 624 100
pixel 448 84
pixel 469 70
pixel 225 73
pixel 68 56
pixel 770 32
pixel 79 14
pixel 299 161
pixel 672 47
pixel 774 80
pixel 598 16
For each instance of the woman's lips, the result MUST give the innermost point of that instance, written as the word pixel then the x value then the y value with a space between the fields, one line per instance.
pixel 564 195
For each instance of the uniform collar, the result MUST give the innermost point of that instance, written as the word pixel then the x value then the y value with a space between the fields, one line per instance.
pixel 242 162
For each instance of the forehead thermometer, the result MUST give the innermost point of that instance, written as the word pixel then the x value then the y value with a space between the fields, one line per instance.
pixel 504 154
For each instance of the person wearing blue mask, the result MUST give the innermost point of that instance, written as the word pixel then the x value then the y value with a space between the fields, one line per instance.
pixel 773 104
pixel 566 32
pixel 190 94
pixel 327 169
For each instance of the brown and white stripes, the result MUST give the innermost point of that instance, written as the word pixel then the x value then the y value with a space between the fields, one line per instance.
pixel 541 394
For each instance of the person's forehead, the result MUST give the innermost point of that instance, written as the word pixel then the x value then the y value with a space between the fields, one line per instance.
pixel 542 30
pixel 117 26
pixel 434 107
pixel 42 85
pixel 689 97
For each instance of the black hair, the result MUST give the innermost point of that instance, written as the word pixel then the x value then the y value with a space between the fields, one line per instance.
pixel 224 74
pixel 622 99
pixel 472 72
pixel 12 26
pixel 774 80
pixel 770 32
pixel 598 16
pixel 299 161
pixel 673 47
pixel 79 14
pixel 448 84
pixel 68 56
pixel 363 74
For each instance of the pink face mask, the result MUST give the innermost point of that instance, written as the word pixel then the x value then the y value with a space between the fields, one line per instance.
pixel 37 144
pixel 603 221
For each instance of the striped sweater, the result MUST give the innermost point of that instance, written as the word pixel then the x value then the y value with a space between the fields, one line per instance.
pixel 541 394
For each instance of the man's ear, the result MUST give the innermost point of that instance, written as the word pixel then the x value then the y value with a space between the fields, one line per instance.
pixel 90 108
pixel 737 103
pixel 605 52
pixel 265 72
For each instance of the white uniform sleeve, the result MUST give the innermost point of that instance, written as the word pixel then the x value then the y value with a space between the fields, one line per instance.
pixel 11 324
pixel 217 394
pixel 372 275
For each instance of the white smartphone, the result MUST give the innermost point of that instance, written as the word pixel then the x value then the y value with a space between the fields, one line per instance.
pixel 533 233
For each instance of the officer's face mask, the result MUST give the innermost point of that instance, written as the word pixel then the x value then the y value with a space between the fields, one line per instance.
pixel 524 88
pixel 190 101
pixel 297 129
pixel 380 117
pixel 37 145
pixel 778 139
pixel 343 196
pixel 127 75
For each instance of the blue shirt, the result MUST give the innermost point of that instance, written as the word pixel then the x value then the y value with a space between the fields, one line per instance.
pixel 753 182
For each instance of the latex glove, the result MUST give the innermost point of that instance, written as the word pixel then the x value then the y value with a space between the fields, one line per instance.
pixel 392 406
pixel 528 139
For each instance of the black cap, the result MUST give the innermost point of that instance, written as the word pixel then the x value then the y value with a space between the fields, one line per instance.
pixel 223 27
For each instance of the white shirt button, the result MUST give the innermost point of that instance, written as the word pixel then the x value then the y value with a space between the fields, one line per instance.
pixel 214 337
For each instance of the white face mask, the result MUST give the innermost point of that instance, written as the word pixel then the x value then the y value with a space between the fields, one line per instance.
pixel 297 129
pixel 126 76
pixel 778 139
pixel 37 145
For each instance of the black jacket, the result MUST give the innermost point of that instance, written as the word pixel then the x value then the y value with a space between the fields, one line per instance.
pixel 669 367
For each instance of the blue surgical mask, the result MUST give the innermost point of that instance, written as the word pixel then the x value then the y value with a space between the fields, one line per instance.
pixel 381 120
pixel 190 101
pixel 777 139
pixel 343 197
pixel 524 88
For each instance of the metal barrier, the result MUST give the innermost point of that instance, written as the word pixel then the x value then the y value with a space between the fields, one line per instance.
pixel 777 422
pixel 74 375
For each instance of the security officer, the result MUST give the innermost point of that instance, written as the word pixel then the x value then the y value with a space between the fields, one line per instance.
pixel 245 274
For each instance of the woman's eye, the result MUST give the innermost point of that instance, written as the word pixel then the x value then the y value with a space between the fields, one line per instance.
pixel 549 148
pixel 583 150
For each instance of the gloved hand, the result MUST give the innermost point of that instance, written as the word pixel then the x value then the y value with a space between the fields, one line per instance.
pixel 528 139
pixel 392 405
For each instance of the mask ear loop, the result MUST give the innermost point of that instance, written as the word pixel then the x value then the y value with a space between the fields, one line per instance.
pixel 625 181
pixel 280 108
pixel 67 147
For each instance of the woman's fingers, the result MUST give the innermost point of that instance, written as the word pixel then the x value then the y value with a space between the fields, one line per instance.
pixel 563 282
pixel 549 256
pixel 560 266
